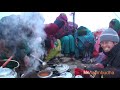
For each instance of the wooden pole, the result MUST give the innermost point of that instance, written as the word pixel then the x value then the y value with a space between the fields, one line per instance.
pixel 73 20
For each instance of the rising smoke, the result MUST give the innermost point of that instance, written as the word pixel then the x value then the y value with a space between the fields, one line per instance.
pixel 24 29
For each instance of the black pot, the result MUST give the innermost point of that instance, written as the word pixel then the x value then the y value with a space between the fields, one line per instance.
pixel 13 64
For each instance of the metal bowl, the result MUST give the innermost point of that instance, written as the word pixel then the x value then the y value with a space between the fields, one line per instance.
pixel 62 68
pixel 45 74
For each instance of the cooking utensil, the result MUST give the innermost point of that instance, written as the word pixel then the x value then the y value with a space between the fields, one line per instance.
pixel 66 75
pixel 7 73
pixel 9 68
pixel 62 68
pixel 45 74
pixel 13 64
pixel 43 63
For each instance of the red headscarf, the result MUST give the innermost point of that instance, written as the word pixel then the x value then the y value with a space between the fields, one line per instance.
pixel 51 29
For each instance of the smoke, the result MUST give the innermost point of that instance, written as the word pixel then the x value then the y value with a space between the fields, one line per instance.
pixel 35 22
pixel 24 29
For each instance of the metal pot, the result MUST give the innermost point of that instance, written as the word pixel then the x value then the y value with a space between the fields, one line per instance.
pixel 9 70
pixel 7 73
pixel 13 64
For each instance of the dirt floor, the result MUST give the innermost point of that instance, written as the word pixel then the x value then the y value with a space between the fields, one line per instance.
pixel 63 60
pixel 75 63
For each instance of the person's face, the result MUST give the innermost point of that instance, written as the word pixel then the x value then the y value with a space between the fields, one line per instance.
pixel 107 45
pixel 111 24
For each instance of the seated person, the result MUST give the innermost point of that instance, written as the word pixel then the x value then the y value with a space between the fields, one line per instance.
pixel 110 67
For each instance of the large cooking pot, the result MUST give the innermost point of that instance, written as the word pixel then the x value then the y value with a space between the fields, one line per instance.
pixel 9 70
pixel 7 73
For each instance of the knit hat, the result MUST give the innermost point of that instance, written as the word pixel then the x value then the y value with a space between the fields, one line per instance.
pixel 109 35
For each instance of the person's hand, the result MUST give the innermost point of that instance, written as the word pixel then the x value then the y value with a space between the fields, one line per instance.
pixel 98 65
